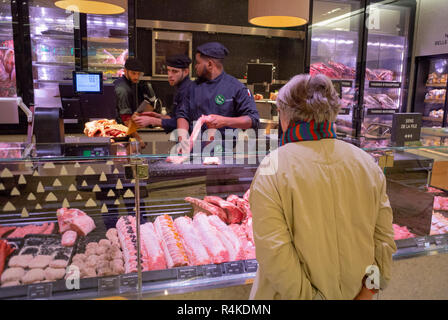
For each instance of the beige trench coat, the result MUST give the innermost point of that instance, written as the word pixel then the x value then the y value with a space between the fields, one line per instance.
pixel 321 216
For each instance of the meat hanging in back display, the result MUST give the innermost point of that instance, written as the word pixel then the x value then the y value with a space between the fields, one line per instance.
pixel 204 206
pixel 234 214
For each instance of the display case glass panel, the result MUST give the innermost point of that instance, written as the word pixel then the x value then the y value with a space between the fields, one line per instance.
pixel 7 58
pixel 387 51
pixel 107 44
pixel 335 36
pixel 53 53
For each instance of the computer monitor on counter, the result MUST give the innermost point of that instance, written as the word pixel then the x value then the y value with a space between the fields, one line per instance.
pixel 87 82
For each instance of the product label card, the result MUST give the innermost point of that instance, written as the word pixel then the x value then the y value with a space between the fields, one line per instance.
pixel 251 265
pixel 236 267
pixel 344 111
pixel 40 291
pixel 128 283
pixel 108 285
pixel 406 127
pixel 384 84
pixel 187 273
pixel 212 271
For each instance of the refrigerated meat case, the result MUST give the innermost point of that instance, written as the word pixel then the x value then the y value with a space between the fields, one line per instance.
pixel 364 45
pixel 430 90
pixel 101 180
pixel 107 44
pixel 7 57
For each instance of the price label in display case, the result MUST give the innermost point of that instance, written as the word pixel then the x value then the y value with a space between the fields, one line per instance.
pixel 108 285
pixel 236 267
pixel 406 127
pixel 441 239
pixel 128 283
pixel 384 84
pixel 423 242
pixel 40 291
pixel 212 271
pixel 251 265
pixel 187 273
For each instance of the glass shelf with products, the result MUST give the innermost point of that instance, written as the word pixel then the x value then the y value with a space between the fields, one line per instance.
pixel 430 90
pixel 335 34
pixel 107 44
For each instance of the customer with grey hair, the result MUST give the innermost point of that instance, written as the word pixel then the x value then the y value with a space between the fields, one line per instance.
pixel 322 220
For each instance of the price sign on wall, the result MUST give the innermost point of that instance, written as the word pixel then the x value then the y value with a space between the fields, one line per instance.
pixel 406 127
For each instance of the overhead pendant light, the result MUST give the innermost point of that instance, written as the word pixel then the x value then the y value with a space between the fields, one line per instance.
pixel 93 7
pixel 279 13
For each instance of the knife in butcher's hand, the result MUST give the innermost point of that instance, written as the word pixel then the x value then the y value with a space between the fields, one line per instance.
pixel 132 127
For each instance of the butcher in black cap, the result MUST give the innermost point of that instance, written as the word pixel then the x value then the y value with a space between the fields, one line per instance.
pixel 178 77
pixel 126 87
pixel 226 100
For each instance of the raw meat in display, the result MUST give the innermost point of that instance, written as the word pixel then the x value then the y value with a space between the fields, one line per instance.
pixel 440 203
pixel 69 238
pixel 34 275
pixel 439 224
pixel 196 252
pixel 246 195
pixel 384 74
pixel 21 261
pixel 121 59
pixel 202 205
pixel 370 75
pixel 83 225
pixel 175 254
pixel 5 251
pixel 321 68
pixel 110 58
pixel 248 246
pixel 234 214
pixel 402 232
pixel 177 159
pixel 151 247
pixel 7 70
pixel 40 262
pixel 228 238
pixel 433 190
pixel 12 274
pixel 345 71
pixel 21 232
pixel 233 198
pixel 211 160
pixel 208 233
pixel 249 230
pixel 386 101
pixel 105 128
pixel 128 240
pixel 4 230
pixel 75 220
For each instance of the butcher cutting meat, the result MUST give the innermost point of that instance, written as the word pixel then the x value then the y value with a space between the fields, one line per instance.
pixel 226 103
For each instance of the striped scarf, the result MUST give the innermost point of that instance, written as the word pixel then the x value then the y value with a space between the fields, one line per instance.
pixel 306 131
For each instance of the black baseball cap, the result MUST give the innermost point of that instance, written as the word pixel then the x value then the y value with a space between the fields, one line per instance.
pixel 134 64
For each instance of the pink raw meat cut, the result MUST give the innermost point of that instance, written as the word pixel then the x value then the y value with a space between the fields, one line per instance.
pixel 175 254
pixel 248 247
pixel 440 203
pixel 69 238
pixel 110 58
pixel 83 225
pixel 233 198
pixel 151 247
pixel 203 206
pixel 234 214
pixel 249 230
pixel 49 229
pixel 176 159
pixel 121 59
pixel 228 238
pixel 246 195
pixel 196 252
pixel 196 130
pixel 4 230
pixel 65 216
pixel 402 232
pixel 208 233
pixel 128 240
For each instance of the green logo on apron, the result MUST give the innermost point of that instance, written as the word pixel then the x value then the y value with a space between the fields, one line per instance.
pixel 220 99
